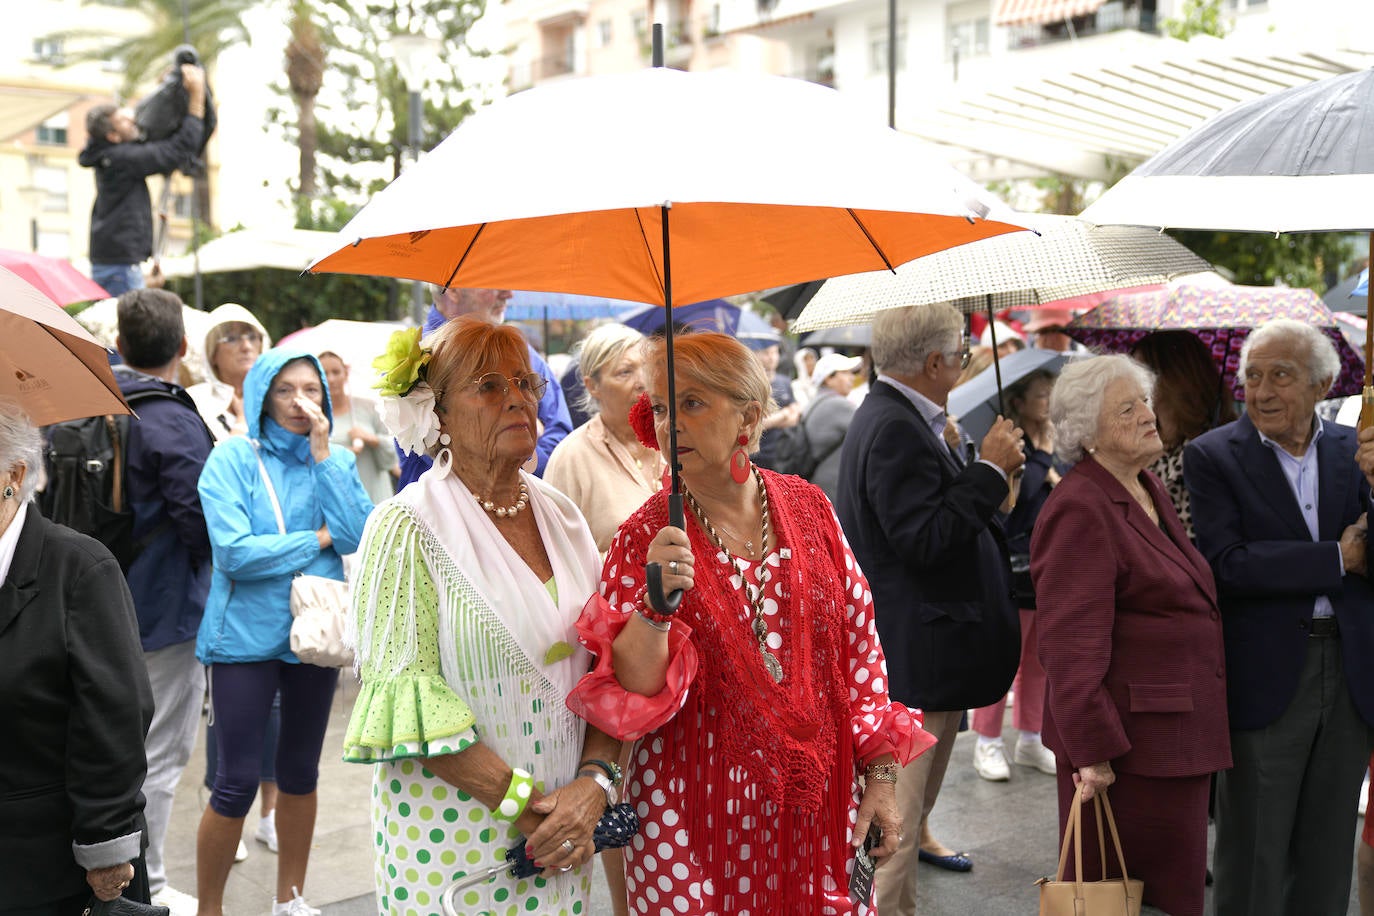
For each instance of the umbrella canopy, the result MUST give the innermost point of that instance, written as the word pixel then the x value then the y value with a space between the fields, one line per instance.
pixel 1299 160
pixel 1222 316
pixel 1343 296
pixel 712 315
pixel 53 277
pixel 755 331
pixel 50 365
pixel 526 305
pixel 854 335
pixel 641 168
pixel 358 342
pixel 1068 258
pixel 250 249
pixel 790 300
pixel 978 402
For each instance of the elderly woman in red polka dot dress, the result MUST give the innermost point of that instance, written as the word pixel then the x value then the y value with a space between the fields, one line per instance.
pixel 767 745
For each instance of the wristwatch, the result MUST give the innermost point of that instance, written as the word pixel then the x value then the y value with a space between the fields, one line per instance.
pixel 602 780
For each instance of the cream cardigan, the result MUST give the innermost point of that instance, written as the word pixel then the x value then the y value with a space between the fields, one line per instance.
pixel 597 472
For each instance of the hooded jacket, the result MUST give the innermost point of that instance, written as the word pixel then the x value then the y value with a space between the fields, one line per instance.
pixel 214 396
pixel 122 216
pixel 167 448
pixel 248 614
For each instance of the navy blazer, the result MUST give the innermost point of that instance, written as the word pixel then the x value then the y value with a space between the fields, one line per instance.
pixel 1269 570
pixel 924 531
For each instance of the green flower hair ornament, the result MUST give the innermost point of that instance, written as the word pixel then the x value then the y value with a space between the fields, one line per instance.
pixel 403 364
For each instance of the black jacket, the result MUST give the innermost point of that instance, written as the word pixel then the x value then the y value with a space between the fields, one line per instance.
pixel 122 217
pixel 75 704
pixel 925 532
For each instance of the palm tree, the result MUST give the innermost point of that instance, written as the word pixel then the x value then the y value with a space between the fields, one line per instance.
pixel 305 55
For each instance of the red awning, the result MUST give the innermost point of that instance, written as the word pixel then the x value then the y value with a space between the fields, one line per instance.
pixel 1039 12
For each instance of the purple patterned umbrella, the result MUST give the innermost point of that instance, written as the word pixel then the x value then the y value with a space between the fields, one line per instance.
pixel 1222 316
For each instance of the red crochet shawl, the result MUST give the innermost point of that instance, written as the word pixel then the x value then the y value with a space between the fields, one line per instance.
pixel 794 739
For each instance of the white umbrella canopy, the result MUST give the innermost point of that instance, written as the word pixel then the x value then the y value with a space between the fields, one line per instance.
pixel 562 189
pixel 249 249
pixel 357 342
pixel 1068 258
pixel 50 365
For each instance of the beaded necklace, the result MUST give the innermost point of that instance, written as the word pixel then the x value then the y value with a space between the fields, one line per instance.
pixel 759 625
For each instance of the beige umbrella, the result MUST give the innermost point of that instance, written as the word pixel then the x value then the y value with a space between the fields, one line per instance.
pixel 50 365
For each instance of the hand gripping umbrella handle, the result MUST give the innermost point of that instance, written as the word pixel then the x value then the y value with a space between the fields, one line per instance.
pixel 653 572
pixel 617 826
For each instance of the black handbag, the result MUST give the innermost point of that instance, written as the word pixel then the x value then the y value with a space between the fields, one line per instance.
pixel 122 906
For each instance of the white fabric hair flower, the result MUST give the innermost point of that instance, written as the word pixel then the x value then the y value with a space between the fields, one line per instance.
pixel 412 420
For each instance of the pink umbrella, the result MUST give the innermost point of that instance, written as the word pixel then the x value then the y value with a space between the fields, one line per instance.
pixel 55 278
pixel 1222 316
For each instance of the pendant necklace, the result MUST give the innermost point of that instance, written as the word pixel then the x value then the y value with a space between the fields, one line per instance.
pixel 759 625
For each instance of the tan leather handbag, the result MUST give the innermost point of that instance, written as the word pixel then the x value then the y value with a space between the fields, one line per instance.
pixel 1109 897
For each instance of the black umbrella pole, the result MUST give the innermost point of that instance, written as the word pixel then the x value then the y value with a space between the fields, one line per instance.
pixel 653 573
pixel 996 361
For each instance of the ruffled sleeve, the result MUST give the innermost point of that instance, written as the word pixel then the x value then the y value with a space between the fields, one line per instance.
pixel 405 708
pixel 879 725
pixel 600 699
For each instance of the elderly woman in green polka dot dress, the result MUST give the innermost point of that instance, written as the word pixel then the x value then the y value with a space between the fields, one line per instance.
pixel 469 585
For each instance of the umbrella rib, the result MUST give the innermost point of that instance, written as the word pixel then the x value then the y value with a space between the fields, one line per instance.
pixel 466 251
pixel 872 241
pixel 644 236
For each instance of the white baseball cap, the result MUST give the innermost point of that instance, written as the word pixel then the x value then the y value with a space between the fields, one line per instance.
pixel 831 363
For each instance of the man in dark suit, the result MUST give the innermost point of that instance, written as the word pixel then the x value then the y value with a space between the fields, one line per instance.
pixel 922 524
pixel 1278 506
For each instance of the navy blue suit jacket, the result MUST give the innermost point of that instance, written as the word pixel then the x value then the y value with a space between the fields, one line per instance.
pixel 1269 570
pixel 925 534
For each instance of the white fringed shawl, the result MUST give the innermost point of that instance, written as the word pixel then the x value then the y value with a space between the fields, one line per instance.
pixel 497 621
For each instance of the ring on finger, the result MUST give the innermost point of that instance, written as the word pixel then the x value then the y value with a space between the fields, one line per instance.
pixel 565 868
pixel 672 567
pixel 568 845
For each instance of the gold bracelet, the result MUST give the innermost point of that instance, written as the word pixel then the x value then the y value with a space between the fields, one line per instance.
pixel 881 772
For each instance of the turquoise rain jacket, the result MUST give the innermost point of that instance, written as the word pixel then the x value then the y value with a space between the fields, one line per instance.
pixel 248 613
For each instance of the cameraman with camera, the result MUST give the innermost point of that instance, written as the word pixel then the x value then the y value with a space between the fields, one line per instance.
pixel 122 218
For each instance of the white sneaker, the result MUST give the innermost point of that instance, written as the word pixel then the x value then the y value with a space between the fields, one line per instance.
pixel 1031 752
pixel 990 761
pixel 1364 793
pixel 181 904
pixel 296 906
pixel 242 852
pixel 267 831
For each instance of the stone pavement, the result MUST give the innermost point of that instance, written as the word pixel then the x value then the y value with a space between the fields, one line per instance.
pixel 1007 828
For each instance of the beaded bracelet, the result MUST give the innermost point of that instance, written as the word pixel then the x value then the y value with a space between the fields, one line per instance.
pixel 881 772
pixel 652 617
pixel 516 798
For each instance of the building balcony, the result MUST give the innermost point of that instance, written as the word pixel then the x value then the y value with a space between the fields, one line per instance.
pixel 1114 16
pixel 532 73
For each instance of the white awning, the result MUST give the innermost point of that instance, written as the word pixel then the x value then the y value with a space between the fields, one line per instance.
pixel 22 108
pixel 1117 100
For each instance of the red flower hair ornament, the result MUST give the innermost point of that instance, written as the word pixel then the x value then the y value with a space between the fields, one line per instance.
pixel 642 422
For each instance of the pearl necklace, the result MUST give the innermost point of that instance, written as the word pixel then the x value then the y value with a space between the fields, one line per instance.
pixel 759 625
pixel 506 511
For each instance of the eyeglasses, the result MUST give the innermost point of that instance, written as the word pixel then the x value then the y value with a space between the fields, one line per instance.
pixel 965 353
pixel 494 386
pixel 253 337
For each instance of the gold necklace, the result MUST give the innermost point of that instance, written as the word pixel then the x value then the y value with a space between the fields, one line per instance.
pixel 759 625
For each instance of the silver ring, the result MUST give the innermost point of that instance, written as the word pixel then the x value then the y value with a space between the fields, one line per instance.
pixel 672 567
pixel 565 868
pixel 568 845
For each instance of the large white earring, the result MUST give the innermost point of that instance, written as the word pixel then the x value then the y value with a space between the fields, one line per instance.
pixel 443 463
pixel 445 439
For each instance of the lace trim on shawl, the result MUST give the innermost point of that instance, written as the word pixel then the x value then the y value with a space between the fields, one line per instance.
pixel 504 688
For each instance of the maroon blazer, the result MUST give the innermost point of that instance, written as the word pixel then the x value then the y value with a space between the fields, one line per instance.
pixel 1130 632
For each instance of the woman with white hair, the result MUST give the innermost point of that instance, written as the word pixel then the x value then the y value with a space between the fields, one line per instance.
pixel 75 700
pixel 601 465
pixel 1130 636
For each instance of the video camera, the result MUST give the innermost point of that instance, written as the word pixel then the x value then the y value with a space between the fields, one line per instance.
pixel 160 114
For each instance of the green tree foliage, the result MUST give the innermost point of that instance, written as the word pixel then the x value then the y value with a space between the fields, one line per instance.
pixel 1196 17
pixel 1314 260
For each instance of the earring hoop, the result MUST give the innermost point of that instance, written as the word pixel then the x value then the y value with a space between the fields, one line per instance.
pixel 443 463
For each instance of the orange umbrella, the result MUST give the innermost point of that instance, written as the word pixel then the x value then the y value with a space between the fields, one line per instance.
pixel 50 365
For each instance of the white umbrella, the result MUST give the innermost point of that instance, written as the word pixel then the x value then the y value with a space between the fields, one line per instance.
pixel 1068 258
pixel 249 249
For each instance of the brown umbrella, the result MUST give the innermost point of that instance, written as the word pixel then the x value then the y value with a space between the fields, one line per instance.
pixel 50 365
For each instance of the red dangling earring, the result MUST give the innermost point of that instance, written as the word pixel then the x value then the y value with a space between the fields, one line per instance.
pixel 739 461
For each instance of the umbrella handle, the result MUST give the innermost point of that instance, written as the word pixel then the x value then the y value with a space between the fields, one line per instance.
pixel 653 572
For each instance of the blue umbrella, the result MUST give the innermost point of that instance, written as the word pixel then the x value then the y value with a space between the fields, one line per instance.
pixel 755 332
pixel 1362 288
pixel 976 403
pixel 528 306
pixel 711 315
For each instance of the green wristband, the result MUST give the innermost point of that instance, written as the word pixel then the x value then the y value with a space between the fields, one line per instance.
pixel 516 798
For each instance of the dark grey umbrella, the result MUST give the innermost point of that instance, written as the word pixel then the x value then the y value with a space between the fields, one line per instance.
pixel 978 402
pixel 1341 298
